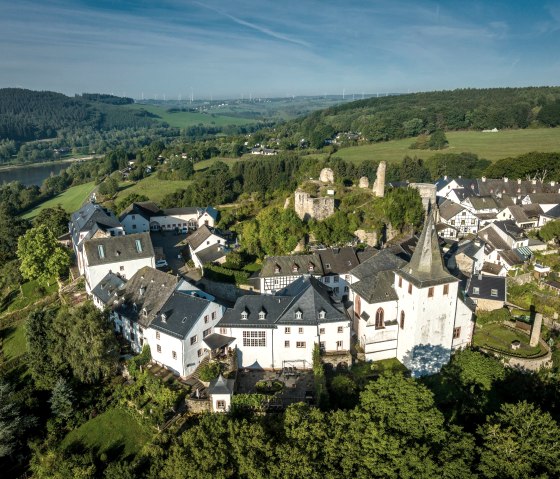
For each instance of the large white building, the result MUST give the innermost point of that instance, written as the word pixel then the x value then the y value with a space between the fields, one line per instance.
pixel 122 255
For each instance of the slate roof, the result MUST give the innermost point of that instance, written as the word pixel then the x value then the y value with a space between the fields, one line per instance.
pixel 148 289
pixel 146 209
pixel 511 257
pixel 215 341
pixel 385 260
pixel 486 216
pixel 486 285
pixel 483 203
pixel 212 253
pixel 338 260
pixel 492 238
pixel 377 288
pixel 200 236
pixel 492 268
pixel 448 209
pixel 108 287
pixel 179 314
pixel 286 264
pixel 518 214
pixel 545 198
pixel 91 217
pixel 426 266
pixel 220 385
pixel 117 249
pixel 553 212
pixel 306 295
pixel 490 186
pixel 510 228
pixel 532 210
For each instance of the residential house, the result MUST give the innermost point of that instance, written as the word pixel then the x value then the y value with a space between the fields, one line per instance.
pixel 91 221
pixel 274 332
pixel 206 245
pixel 136 217
pixel 107 290
pixel 487 292
pixel 458 220
pixel 122 255
pixel 517 214
pixel 505 244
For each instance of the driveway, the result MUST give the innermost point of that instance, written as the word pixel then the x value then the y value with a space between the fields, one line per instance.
pixel 173 246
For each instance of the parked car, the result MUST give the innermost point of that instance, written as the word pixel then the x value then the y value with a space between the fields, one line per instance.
pixel 161 263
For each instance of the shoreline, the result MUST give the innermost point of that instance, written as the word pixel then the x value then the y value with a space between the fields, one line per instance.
pixel 47 163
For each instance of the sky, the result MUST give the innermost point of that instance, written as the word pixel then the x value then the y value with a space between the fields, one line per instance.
pixel 261 48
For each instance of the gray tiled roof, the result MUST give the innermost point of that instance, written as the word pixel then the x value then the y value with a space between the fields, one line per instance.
pixel 491 237
pixel 91 216
pixel 518 214
pixel 492 268
pixel 220 385
pixel 108 287
pixel 309 296
pixel 212 253
pixel 338 260
pixel 510 228
pixel 377 288
pixel 286 265
pixel 200 236
pixel 146 209
pixel 118 249
pixel 545 198
pixel 448 209
pixel 553 212
pixel 179 314
pixel 481 287
pixel 148 289
pixel 385 260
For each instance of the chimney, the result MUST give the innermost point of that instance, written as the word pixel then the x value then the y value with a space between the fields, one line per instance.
pixel 552 183
pixel 484 179
pixel 445 177
pixel 518 181
pixel 505 179
pixel 534 182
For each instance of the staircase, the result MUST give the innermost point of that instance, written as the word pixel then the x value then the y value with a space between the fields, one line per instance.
pixel 193 380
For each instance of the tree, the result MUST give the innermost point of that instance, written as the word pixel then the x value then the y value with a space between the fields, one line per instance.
pixel 520 442
pixel 109 187
pixel 10 419
pixel 11 228
pixel 56 220
pixel 121 205
pixel 83 336
pixel 550 231
pixel 438 140
pixel 41 256
pixel 62 400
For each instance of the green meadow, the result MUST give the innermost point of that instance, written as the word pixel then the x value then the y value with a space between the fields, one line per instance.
pixel 70 200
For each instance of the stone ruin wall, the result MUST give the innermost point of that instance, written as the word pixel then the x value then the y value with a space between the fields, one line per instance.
pixel 313 208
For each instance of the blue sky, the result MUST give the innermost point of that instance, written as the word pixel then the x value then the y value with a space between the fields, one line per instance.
pixel 223 48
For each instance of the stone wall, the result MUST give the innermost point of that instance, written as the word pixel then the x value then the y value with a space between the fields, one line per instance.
pixel 367 237
pixel 520 279
pixel 326 175
pixel 198 405
pixel 427 192
pixel 379 184
pixel 312 208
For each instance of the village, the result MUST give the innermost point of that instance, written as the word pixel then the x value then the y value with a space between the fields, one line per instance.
pixel 414 299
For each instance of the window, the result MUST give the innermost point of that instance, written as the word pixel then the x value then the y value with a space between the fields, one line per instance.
pixel 213 315
pixel 220 405
pixel 300 344
pixel 133 227
pixel 276 269
pixel 157 334
pixel 327 279
pixel 445 289
pixel 254 339
pixel 310 267
pixel 299 314
pixel 379 319
pixel 262 315
pixel 339 344
pixel 335 279
pixel 300 330
pixel 475 290
pixel 400 282
pixel 173 354
pixel 322 314
pixel 409 288
pixel 431 292
pixel 456 332
pixel 223 330
pixel 402 319
pixel 206 332
pixel 473 222
pixel 206 319
pixel 133 217
pixel 323 345
pixel 287 330
pixel 138 244
pixel 322 331
pixel 200 352
pixel 244 315
pixel 276 281
pixel 121 268
pixel 194 339
pixel 328 266
pixel 494 292
pixel 158 348
pixel 452 222
pixel 286 344
pixel 101 251
pixel 462 222
pixel 336 290
pixel 339 329
pixel 295 268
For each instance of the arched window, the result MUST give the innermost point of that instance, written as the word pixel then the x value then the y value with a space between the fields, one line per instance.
pixel 379 321
pixel 402 319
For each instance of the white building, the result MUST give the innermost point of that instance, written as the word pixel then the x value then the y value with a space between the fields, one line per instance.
pixel 280 331
pixel 207 246
pixel 458 220
pixel 91 221
pixel 122 255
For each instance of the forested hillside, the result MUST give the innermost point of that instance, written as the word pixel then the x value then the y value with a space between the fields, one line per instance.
pixel 27 115
pixel 402 116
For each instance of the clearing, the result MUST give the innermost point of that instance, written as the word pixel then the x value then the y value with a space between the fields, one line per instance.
pixel 491 146
pixel 498 337
pixel 70 200
pixel 152 187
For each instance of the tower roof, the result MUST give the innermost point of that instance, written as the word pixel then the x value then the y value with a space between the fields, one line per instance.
pixel 426 265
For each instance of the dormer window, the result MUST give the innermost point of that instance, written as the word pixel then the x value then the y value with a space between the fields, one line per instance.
pixel 328 266
pixel 262 315
pixel 299 314
pixel 295 268
pixel 310 267
pixel 322 314
pixel 163 317
pixel 145 312
pixel 244 315
pixel 277 269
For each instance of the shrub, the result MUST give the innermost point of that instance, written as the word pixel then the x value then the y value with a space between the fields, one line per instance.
pixel 209 371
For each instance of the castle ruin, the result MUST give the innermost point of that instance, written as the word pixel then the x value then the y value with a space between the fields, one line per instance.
pixel 308 207
pixel 379 185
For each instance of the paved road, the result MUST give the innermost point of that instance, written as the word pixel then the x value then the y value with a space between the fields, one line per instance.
pixel 173 245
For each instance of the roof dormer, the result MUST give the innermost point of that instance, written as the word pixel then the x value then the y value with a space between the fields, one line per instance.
pixel 262 314
pixel 299 314
pixel 245 314
pixel 310 266
pixel 322 314
pixel 295 268
pixel 277 268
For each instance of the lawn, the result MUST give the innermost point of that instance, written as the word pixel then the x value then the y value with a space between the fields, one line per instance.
pixel 204 164
pixel 185 119
pixel 30 293
pixel 152 187
pixel 116 432
pixel 13 340
pixel 491 146
pixel 71 200
pixel 496 336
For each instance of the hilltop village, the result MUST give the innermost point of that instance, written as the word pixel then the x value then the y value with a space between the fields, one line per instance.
pixel 413 299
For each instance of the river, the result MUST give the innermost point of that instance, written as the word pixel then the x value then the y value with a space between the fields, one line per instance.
pixel 36 173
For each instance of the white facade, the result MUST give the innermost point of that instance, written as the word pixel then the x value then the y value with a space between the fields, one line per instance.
pixel 211 240
pixel 135 223
pixel 126 269
pixel 181 220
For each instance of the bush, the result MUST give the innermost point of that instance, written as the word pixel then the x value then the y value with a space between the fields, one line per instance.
pixel 209 371
pixel 496 316
pixel 269 387
pixel 225 275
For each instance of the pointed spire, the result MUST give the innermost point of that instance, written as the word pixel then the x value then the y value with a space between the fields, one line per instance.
pixel 426 266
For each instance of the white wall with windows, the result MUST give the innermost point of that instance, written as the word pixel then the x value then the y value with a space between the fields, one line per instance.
pixel 125 269
pixel 135 223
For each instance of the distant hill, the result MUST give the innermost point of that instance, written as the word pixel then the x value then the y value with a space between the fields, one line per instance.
pixel 404 116
pixel 27 115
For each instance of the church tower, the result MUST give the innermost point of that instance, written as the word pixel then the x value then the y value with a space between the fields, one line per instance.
pixel 427 306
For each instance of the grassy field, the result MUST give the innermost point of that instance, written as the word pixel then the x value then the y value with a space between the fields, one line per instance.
pixel 491 146
pixel 116 432
pixel 204 164
pixel 185 119
pixel 152 187
pixel 70 200
pixel 14 343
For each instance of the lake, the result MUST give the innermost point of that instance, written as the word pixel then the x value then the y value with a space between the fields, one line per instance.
pixel 31 175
